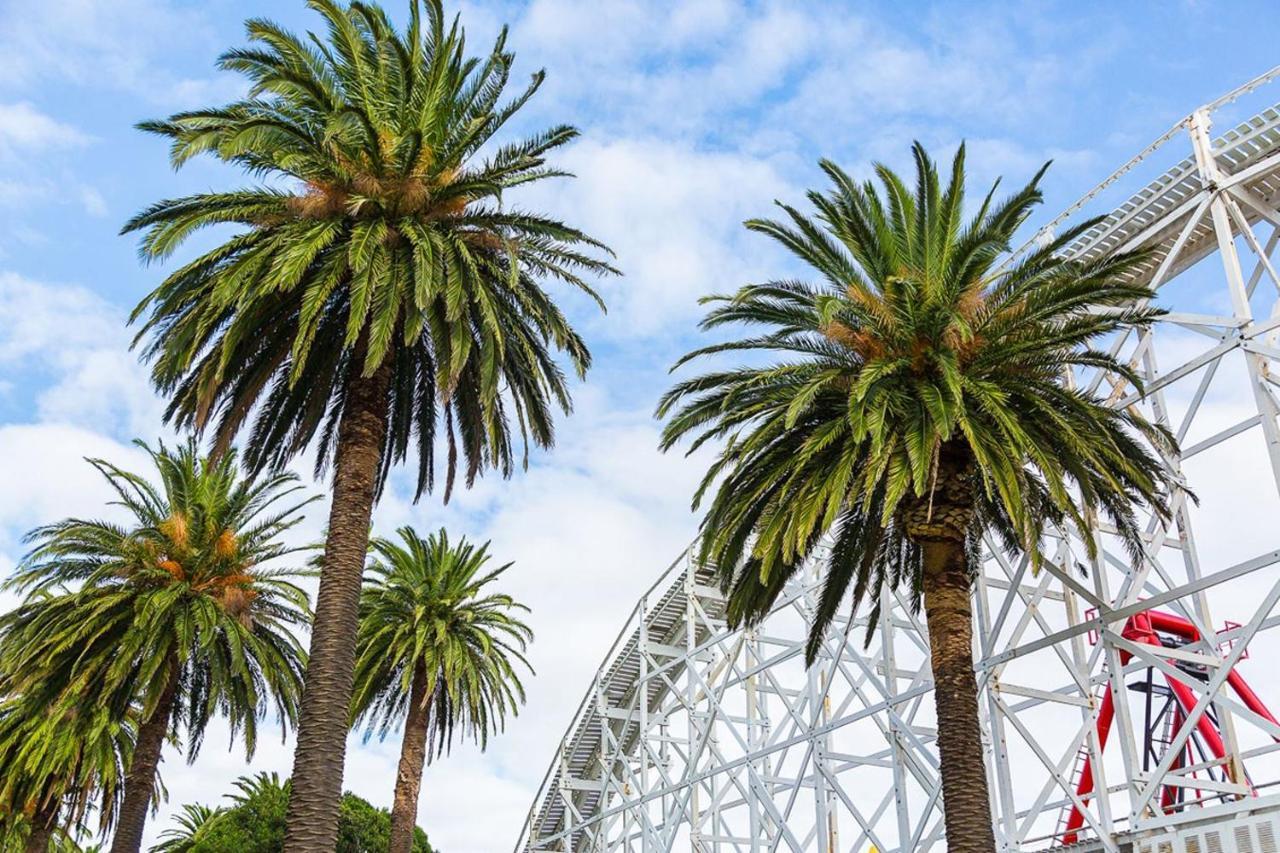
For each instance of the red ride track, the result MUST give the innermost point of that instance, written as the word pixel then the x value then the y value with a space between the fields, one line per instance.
pixel 1144 628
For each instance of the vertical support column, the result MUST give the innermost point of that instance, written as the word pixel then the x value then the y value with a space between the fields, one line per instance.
pixel 751 659
pixel 1211 175
pixel 889 661
pixel 669 801
pixel 1122 725
pixel 816 680
pixel 1088 716
pixel 642 706
pixel 691 701
pixel 713 791
pixel 566 794
pixel 999 777
pixel 833 819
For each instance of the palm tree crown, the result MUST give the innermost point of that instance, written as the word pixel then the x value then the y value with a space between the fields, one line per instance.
pixel 425 610
pixel 918 403
pixel 380 238
pixel 918 355
pixel 173 616
pixel 187 579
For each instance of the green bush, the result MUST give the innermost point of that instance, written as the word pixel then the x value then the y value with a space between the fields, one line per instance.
pixel 254 823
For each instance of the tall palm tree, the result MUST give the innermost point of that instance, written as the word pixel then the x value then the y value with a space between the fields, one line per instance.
pixel 175 616
pixel 437 651
pixel 381 297
pixel 916 403
pixel 56 764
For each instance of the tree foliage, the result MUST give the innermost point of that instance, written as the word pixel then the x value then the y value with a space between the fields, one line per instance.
pixel 254 821
pixel 187 581
pixel 918 348
pixel 426 612
pixel 60 764
pixel 381 233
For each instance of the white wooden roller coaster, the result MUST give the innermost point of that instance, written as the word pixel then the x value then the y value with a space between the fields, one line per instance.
pixel 1125 706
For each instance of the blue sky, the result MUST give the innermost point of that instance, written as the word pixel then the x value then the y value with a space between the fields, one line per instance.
pixel 695 116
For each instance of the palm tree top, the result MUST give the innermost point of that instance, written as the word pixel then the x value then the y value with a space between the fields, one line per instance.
pixel 201 525
pixel 923 356
pixel 382 232
pixel 190 582
pixel 427 613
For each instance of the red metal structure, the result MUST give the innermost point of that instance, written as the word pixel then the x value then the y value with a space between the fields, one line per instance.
pixel 1165 630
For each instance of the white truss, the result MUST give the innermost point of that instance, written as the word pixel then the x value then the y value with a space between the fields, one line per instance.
pixel 695 737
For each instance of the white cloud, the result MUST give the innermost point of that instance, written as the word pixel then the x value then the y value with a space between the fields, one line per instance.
pixel 25 128
pixel 623 30
pixel 120 44
pixel 46 477
pixel 92 201
pixel 37 318
pixel 77 344
pixel 18 193
pixel 679 77
pixel 22 194
pixel 673 213
pixel 777 77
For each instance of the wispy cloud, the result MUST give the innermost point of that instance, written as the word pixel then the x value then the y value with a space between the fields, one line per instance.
pixel 674 214
pixel 24 128
pixel 127 45
pixel 78 345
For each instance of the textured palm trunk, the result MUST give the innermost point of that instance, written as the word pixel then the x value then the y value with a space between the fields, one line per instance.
pixel 966 803
pixel 42 823
pixel 413 757
pixel 312 821
pixel 141 779
pixel 38 839
pixel 940 524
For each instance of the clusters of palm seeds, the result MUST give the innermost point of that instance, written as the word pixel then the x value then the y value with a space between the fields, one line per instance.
pixel 381 301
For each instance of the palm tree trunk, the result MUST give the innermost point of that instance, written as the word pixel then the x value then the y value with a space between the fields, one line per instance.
pixel 41 833
pixel 38 839
pixel 966 803
pixel 140 781
pixel 413 756
pixel 312 822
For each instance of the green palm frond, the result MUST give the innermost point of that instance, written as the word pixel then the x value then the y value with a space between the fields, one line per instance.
pixel 62 762
pixel 426 614
pixel 381 234
pixel 913 350
pixel 191 828
pixel 190 583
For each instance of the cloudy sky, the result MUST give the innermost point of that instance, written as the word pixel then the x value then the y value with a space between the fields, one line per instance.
pixel 695 115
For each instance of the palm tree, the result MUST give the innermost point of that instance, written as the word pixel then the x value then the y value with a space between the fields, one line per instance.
pixel 436 650
pixel 56 764
pixel 380 298
pixel 916 404
pixel 193 824
pixel 174 616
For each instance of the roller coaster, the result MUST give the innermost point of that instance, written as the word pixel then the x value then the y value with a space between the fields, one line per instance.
pixel 1124 702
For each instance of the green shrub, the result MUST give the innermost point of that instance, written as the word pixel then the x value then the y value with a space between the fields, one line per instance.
pixel 254 823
